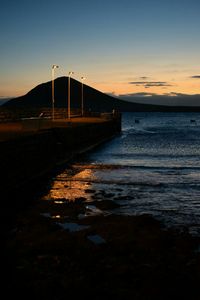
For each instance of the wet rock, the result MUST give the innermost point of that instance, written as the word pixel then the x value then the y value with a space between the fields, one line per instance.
pixel 80 200
pixel 109 195
pixel 90 191
pixel 72 227
pixel 106 204
pixel 92 210
pixel 96 239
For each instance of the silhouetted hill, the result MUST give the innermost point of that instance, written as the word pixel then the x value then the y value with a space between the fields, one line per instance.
pixel 40 96
pixel 94 100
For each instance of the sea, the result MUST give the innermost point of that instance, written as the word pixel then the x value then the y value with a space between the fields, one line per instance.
pixel 152 167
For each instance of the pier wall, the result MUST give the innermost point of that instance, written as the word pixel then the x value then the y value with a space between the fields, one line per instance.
pixel 28 158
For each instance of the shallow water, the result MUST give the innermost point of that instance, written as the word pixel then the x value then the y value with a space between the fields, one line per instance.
pixel 152 167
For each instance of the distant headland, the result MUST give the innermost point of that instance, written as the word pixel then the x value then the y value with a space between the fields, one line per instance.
pixel 94 100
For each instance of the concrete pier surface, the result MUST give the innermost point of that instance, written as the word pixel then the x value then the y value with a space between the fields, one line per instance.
pixel 25 127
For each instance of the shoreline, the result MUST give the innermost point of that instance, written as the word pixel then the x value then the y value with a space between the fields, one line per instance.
pixel 60 248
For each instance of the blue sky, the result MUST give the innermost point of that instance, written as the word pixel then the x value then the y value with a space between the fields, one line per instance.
pixel 113 44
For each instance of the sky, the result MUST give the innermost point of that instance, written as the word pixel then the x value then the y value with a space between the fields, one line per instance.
pixel 123 48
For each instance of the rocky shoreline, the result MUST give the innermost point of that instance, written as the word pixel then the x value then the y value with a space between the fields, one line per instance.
pixel 61 250
pixel 58 249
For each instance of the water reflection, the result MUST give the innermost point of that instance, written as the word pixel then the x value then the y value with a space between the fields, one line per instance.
pixel 71 187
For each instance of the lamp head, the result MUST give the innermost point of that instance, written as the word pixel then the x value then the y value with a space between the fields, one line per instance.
pixel 55 66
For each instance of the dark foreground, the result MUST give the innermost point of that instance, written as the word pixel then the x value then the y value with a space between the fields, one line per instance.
pixel 114 257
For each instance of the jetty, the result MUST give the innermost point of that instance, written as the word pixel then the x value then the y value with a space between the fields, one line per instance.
pixel 31 148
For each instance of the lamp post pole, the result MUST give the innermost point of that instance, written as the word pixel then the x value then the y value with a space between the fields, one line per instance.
pixel 82 78
pixel 53 96
pixel 69 100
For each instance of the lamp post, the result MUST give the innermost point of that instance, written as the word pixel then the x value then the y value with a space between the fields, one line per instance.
pixel 53 97
pixel 82 78
pixel 68 110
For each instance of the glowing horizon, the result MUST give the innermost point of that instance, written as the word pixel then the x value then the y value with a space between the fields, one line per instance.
pixel 182 86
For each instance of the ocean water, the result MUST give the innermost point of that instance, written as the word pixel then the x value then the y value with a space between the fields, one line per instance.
pixel 152 167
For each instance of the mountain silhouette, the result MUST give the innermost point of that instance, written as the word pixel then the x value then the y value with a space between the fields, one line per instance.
pixel 94 100
pixel 41 96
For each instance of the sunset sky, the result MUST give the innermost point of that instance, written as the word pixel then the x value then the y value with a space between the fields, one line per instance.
pixel 121 47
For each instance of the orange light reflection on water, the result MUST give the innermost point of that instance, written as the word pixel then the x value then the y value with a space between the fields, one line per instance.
pixel 71 187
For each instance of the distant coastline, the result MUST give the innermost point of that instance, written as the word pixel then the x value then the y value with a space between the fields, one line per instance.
pixel 184 100
pixel 96 101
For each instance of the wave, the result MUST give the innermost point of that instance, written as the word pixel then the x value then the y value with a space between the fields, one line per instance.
pixel 163 130
pixel 155 155
pixel 139 130
pixel 123 166
pixel 109 181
